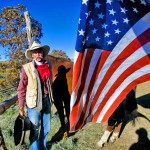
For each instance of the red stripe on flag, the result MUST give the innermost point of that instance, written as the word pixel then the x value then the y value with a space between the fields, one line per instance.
pixel 132 47
pixel 137 65
pixel 88 58
pixel 74 112
pixel 142 79
pixel 100 63
pixel 76 70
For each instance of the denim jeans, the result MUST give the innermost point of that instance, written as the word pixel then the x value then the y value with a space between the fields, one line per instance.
pixel 39 121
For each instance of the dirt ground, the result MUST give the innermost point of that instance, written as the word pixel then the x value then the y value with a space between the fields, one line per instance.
pixel 136 137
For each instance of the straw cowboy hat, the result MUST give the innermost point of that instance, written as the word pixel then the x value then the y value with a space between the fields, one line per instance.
pixel 36 46
pixel 22 124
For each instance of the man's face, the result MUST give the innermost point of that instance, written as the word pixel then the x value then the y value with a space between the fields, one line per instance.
pixel 37 55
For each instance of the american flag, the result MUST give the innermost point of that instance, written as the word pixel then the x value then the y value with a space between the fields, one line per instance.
pixel 111 57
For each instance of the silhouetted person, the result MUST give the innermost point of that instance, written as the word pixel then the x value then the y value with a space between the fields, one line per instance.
pixel 143 141
pixel 62 96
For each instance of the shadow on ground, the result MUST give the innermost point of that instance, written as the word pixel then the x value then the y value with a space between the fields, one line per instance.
pixel 144 101
pixel 143 141
pixel 56 138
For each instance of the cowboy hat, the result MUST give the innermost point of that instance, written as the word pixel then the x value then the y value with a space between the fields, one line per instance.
pixel 62 70
pixel 22 124
pixel 36 46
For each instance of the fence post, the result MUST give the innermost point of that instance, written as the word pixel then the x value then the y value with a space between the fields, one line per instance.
pixel 28 28
pixel 7 103
pixel 2 142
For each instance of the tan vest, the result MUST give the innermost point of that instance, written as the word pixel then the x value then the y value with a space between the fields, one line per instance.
pixel 31 90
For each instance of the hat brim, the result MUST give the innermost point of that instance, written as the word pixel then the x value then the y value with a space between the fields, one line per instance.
pixel 66 71
pixel 29 52
pixel 21 125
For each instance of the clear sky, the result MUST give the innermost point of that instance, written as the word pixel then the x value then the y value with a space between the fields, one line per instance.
pixel 59 19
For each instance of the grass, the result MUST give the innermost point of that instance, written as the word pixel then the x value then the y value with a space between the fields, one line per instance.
pixel 7 124
pixel 85 138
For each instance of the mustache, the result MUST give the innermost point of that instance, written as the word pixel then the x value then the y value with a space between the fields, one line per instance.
pixel 39 57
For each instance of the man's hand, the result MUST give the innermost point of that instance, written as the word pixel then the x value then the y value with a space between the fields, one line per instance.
pixel 22 111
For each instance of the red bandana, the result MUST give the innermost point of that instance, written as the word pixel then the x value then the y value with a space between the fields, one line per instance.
pixel 44 71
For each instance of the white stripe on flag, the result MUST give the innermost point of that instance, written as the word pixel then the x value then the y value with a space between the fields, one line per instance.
pixel 144 70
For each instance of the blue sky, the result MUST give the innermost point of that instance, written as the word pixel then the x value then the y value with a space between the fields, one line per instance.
pixel 59 19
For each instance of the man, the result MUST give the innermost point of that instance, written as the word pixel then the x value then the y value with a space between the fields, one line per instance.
pixel 34 93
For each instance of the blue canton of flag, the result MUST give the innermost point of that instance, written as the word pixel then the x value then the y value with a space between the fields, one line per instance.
pixel 103 23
